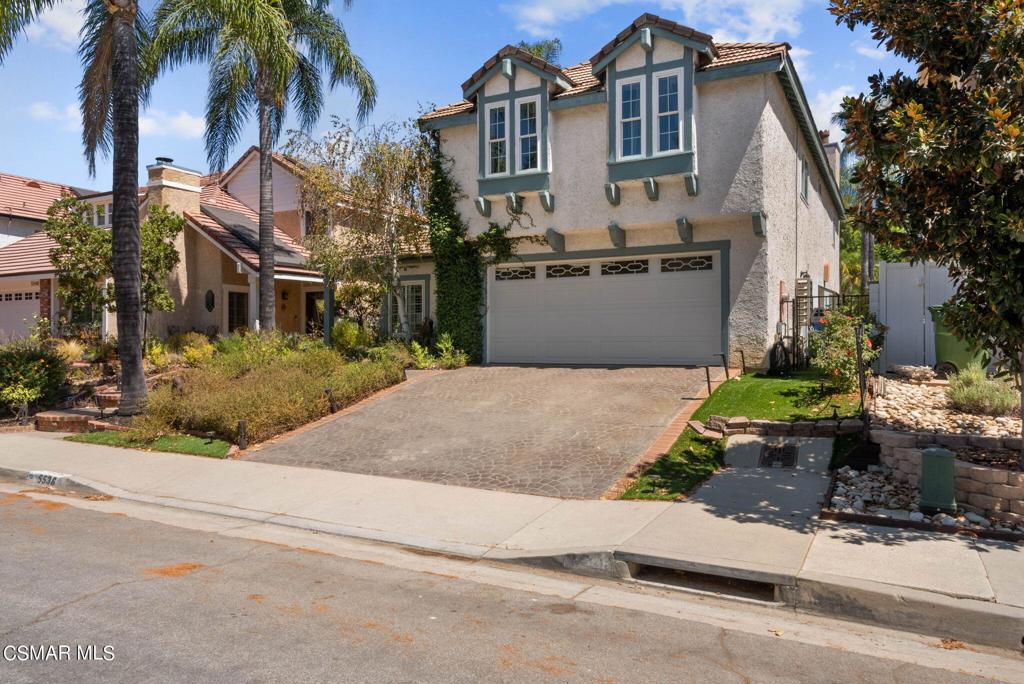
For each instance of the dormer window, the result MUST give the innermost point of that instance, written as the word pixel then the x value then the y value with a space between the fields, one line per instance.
pixel 529 150
pixel 497 141
pixel 631 118
pixel 669 130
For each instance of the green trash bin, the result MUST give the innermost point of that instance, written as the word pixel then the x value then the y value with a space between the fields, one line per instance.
pixel 952 353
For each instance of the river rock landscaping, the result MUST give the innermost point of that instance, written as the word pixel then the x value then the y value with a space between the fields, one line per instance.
pixel 877 492
pixel 911 407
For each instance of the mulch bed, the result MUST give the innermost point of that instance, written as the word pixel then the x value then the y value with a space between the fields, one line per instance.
pixel 1003 459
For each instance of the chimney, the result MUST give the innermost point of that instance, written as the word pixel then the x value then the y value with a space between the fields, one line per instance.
pixel 832 153
pixel 174 186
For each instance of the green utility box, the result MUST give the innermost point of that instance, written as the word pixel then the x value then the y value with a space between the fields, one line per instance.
pixel 951 353
pixel 937 473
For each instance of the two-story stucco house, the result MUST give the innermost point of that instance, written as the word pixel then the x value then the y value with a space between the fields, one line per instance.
pixel 681 185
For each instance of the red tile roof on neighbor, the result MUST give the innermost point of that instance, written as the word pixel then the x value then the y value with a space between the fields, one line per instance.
pixel 583 80
pixel 29 198
pixel 29 256
pixel 216 196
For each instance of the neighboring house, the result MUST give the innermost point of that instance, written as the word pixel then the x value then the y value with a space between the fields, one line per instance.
pixel 681 185
pixel 215 285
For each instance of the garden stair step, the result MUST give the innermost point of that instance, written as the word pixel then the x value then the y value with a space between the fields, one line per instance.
pixel 70 420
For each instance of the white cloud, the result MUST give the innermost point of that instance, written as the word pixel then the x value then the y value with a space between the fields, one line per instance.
pixel 826 103
pixel 67 119
pixel 157 123
pixel 58 26
pixel 871 52
pixel 726 20
pixel 803 68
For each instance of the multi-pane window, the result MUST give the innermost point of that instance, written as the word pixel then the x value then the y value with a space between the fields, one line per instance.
pixel 528 150
pixel 631 119
pixel 497 141
pixel 413 296
pixel 238 310
pixel 668 113
pixel 102 214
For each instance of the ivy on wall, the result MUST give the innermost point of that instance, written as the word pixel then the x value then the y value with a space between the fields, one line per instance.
pixel 458 261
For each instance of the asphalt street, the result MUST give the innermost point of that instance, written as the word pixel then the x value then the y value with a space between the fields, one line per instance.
pixel 154 602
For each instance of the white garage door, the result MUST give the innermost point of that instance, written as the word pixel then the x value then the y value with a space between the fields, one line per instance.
pixel 648 310
pixel 16 310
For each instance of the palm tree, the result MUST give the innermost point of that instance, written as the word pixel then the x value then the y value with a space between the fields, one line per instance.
pixel 549 50
pixel 114 34
pixel 263 54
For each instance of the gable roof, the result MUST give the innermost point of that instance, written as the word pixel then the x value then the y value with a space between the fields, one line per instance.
pixel 284 161
pixel 648 20
pixel 516 53
pixel 29 256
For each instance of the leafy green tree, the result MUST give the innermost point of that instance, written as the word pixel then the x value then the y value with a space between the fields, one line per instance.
pixel 942 153
pixel 263 56
pixel 113 36
pixel 83 257
pixel 549 50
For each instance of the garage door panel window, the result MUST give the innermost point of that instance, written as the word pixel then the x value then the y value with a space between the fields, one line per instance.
pixel 516 273
pixel 630 267
pixel 567 270
pixel 689 263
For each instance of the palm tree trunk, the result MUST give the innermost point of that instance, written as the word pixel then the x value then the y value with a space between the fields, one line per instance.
pixel 267 304
pixel 126 241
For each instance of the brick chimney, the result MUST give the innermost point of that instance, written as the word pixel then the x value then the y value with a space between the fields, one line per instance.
pixel 832 152
pixel 174 186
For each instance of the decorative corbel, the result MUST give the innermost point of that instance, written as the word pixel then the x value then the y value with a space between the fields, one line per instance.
pixel 483 206
pixel 685 230
pixel 617 235
pixel 612 193
pixel 651 189
pixel 760 221
pixel 547 200
pixel 690 180
pixel 555 239
pixel 513 202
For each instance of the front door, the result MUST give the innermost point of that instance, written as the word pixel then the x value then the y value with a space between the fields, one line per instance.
pixel 314 313
pixel 238 310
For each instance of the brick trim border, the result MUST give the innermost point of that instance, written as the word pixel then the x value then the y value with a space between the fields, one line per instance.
pixel 351 408
pixel 664 441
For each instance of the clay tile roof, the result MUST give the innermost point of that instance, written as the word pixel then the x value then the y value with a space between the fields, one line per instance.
pixel 582 76
pixel 449 110
pixel 520 54
pixel 738 53
pixel 29 198
pixel 215 196
pixel 652 20
pixel 28 256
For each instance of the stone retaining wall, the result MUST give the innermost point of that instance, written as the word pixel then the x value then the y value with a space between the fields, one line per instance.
pixel 987 491
pixel 805 428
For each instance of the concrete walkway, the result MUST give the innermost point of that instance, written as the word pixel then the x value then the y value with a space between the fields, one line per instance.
pixel 902 578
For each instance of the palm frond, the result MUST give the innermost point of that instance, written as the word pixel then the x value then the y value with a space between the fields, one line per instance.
pixel 230 100
pixel 306 89
pixel 15 15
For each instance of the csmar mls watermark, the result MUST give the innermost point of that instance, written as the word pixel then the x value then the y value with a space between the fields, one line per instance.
pixel 41 653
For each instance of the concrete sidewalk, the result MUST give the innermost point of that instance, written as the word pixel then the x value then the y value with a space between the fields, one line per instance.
pixel 956 586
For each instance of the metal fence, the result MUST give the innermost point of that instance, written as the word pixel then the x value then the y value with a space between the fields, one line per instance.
pixel 800 315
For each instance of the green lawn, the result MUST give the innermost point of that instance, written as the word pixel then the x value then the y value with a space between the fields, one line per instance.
pixel 179 444
pixel 693 459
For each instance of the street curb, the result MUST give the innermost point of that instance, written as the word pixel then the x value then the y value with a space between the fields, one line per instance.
pixel 924 612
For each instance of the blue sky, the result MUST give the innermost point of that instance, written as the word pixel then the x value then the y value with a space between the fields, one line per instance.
pixel 419 53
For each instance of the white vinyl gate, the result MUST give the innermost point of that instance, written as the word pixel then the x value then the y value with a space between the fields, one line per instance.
pixel 900 299
pixel 635 310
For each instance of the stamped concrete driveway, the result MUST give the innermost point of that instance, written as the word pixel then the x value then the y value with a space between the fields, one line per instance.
pixel 569 432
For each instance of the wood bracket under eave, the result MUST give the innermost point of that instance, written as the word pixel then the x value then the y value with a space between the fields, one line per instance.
pixel 617 235
pixel 547 200
pixel 685 230
pixel 613 193
pixel 690 181
pixel 760 222
pixel 651 189
pixel 483 206
pixel 514 203
pixel 555 239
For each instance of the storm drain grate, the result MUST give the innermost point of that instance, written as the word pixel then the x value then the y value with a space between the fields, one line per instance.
pixel 778 456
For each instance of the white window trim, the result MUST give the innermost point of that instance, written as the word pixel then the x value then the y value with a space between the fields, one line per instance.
pixel 656 137
pixel 643 118
pixel 393 320
pixel 539 134
pixel 488 140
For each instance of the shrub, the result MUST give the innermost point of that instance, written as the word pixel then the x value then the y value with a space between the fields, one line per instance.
pixel 447 355
pixel 972 391
pixel 421 357
pixel 34 366
pixel 392 350
pixel 156 354
pixel 239 353
pixel 285 392
pixel 69 350
pixel 179 342
pixel 103 350
pixel 834 350
pixel 197 355
pixel 347 336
